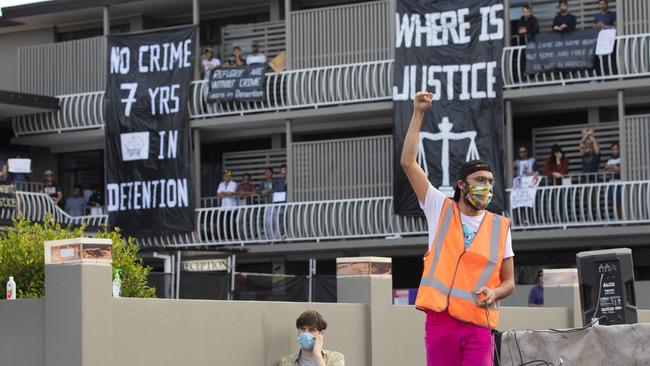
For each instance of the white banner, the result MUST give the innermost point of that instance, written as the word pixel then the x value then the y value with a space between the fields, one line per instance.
pixel 20 165
pixel 524 190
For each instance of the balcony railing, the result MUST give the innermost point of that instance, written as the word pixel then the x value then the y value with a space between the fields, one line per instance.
pixel 597 204
pixel 37 206
pixel 306 88
pixel 294 89
pixel 580 205
pixel 630 59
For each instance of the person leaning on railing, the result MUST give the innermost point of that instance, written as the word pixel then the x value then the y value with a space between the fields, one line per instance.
pixel 604 19
pixel 564 21
pixel 613 165
pixel 527 25
pixel 556 166
pixel 246 190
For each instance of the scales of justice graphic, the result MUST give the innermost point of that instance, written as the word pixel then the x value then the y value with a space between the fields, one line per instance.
pixel 445 135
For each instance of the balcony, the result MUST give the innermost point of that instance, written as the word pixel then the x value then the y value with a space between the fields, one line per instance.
pixel 630 59
pixel 295 89
pixel 605 204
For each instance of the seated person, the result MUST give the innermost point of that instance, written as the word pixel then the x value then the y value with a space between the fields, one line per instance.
pixel 604 18
pixel 311 333
pixel 564 21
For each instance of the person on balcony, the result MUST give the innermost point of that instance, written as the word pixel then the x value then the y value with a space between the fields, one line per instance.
pixel 524 166
pixel 266 187
pixel 527 25
pixel 246 190
pixel 564 21
pixel 613 165
pixel 96 201
pixel 556 166
pixel 51 188
pixel 208 62
pixel 311 335
pixel 280 186
pixel 226 190
pixel 75 205
pixel 236 59
pixel 590 151
pixel 604 19
pixel 459 292
pixel 256 57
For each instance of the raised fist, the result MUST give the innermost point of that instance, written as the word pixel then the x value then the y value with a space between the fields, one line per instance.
pixel 422 101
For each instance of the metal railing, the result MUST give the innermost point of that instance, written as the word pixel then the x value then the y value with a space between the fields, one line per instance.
pixel 27 186
pixel 596 204
pixel 295 221
pixel 37 206
pixel 305 88
pixel 63 68
pixel 342 34
pixel 630 59
pixel 342 168
pixel 77 112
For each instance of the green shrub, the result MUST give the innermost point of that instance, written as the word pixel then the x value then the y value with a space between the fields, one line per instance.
pixel 22 256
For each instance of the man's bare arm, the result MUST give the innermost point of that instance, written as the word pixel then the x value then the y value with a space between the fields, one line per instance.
pixel 416 176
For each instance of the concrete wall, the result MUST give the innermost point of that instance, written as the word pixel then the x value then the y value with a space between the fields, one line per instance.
pixel 21 332
pixel 197 332
pixel 80 324
pixel 9 44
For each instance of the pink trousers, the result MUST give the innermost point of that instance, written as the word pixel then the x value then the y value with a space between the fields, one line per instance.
pixel 450 342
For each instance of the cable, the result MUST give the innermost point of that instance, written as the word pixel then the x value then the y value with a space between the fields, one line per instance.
pixel 600 288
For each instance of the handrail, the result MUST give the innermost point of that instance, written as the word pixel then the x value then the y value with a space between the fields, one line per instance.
pixel 293 89
pixel 629 59
pixel 580 205
pixel 591 204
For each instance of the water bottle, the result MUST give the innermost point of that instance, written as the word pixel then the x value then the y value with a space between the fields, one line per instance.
pixel 11 289
pixel 117 283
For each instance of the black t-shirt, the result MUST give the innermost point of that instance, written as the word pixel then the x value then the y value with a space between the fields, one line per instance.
pixel 590 164
pixel 96 199
pixel 51 189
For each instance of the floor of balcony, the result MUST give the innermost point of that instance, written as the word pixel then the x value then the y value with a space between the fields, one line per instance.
pixel 554 98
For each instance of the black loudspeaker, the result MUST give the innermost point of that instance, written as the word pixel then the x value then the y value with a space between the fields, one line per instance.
pixel 607 286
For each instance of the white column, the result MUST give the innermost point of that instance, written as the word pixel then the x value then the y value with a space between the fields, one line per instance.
pixel 106 20
pixel 197 46
pixel 509 143
pixel 290 183
pixel 621 134
pixel 196 142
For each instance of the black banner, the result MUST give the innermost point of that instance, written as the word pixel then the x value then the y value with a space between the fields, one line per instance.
pixel 8 203
pixel 241 84
pixel 451 48
pixel 148 153
pixel 555 51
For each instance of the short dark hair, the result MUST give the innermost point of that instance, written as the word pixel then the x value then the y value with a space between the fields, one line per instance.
pixel 311 319
pixel 268 168
pixel 615 143
pixel 236 48
pixel 526 6
pixel 563 2
pixel 283 166
pixel 247 175
pixel 76 186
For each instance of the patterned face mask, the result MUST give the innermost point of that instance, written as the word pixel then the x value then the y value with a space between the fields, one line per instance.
pixel 479 195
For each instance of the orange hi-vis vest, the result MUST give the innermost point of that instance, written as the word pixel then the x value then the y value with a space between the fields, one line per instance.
pixel 452 275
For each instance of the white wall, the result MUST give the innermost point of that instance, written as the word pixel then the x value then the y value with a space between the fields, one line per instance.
pixel 9 44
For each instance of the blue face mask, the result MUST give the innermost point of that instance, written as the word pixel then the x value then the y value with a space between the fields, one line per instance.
pixel 306 341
